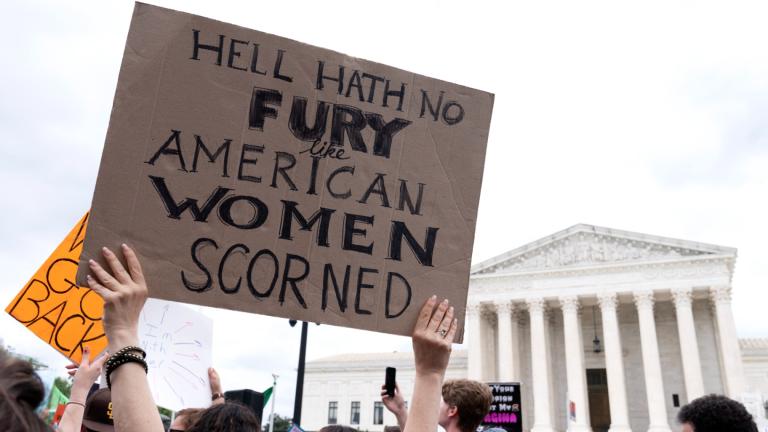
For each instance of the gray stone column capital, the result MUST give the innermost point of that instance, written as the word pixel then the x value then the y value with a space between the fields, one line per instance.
pixel 570 303
pixel 720 294
pixel 474 309
pixel 682 297
pixel 536 305
pixel 505 307
pixel 643 299
pixel 608 300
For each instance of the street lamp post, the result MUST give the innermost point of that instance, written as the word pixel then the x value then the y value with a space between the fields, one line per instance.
pixel 300 373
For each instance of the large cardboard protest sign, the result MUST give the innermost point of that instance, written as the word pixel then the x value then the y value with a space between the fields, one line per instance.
pixel 178 342
pixel 66 316
pixel 257 173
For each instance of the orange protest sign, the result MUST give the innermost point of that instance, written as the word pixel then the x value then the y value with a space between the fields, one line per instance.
pixel 64 315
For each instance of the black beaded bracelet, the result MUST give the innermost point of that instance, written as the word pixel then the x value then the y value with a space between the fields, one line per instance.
pixel 115 358
pixel 117 361
pixel 130 348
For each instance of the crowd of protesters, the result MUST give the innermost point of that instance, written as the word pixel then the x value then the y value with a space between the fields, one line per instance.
pixel 126 405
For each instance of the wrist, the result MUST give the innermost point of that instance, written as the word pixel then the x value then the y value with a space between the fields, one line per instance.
pixel 80 387
pixel 430 374
pixel 121 339
pixel 78 393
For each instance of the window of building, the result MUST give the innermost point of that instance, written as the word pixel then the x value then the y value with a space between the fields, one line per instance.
pixel 354 414
pixel 378 413
pixel 333 411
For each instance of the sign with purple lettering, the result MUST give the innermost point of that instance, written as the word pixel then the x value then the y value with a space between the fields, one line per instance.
pixel 257 173
pixel 505 413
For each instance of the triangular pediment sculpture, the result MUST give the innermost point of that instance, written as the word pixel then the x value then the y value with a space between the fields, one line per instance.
pixel 588 245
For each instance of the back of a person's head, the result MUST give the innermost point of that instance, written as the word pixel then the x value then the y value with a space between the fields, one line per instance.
pixel 716 413
pixel 227 417
pixel 187 417
pixel 337 428
pixel 21 391
pixel 472 400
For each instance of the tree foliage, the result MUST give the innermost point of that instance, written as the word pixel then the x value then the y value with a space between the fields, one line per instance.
pixel 64 385
pixel 282 424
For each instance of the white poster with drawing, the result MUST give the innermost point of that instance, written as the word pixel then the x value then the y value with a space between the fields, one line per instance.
pixel 177 340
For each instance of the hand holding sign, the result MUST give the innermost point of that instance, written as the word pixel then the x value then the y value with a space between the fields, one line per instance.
pixel 433 336
pixel 124 293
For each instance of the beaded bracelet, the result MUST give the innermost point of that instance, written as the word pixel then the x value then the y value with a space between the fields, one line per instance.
pixel 116 361
pixel 130 348
pixel 124 351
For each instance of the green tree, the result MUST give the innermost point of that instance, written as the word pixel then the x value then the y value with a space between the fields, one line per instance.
pixel 64 385
pixel 281 423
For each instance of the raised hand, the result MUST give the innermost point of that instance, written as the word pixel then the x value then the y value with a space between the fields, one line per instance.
pixel 124 293
pixel 433 335
pixel 395 404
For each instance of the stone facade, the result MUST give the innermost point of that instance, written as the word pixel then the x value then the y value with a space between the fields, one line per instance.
pixel 659 307
pixel 349 378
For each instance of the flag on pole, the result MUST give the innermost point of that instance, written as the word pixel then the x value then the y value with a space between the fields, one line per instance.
pixel 267 394
pixel 55 399
pixel 295 428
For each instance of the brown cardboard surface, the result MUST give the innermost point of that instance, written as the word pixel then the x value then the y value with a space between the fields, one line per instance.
pixel 216 232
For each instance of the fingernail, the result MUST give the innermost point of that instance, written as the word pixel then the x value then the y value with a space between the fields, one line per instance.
pixel 445 302
pixel 124 246
pixel 88 277
pixel 450 309
pixel 91 262
pixel 434 297
pixel 106 250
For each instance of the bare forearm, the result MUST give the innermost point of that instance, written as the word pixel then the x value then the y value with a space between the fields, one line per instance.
pixel 72 418
pixel 425 404
pixel 402 419
pixel 134 408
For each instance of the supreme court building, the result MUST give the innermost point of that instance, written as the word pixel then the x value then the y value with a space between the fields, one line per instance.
pixel 604 329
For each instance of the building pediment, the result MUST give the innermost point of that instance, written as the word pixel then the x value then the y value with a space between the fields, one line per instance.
pixel 588 245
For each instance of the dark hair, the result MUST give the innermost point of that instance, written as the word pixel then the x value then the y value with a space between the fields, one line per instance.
pixel 190 416
pixel 21 391
pixel 715 413
pixel 337 428
pixel 472 400
pixel 227 417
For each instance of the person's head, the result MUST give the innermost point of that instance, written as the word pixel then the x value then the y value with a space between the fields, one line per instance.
pixel 97 416
pixel 392 429
pixel 715 413
pixel 465 404
pixel 337 428
pixel 186 418
pixel 226 417
pixel 21 391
